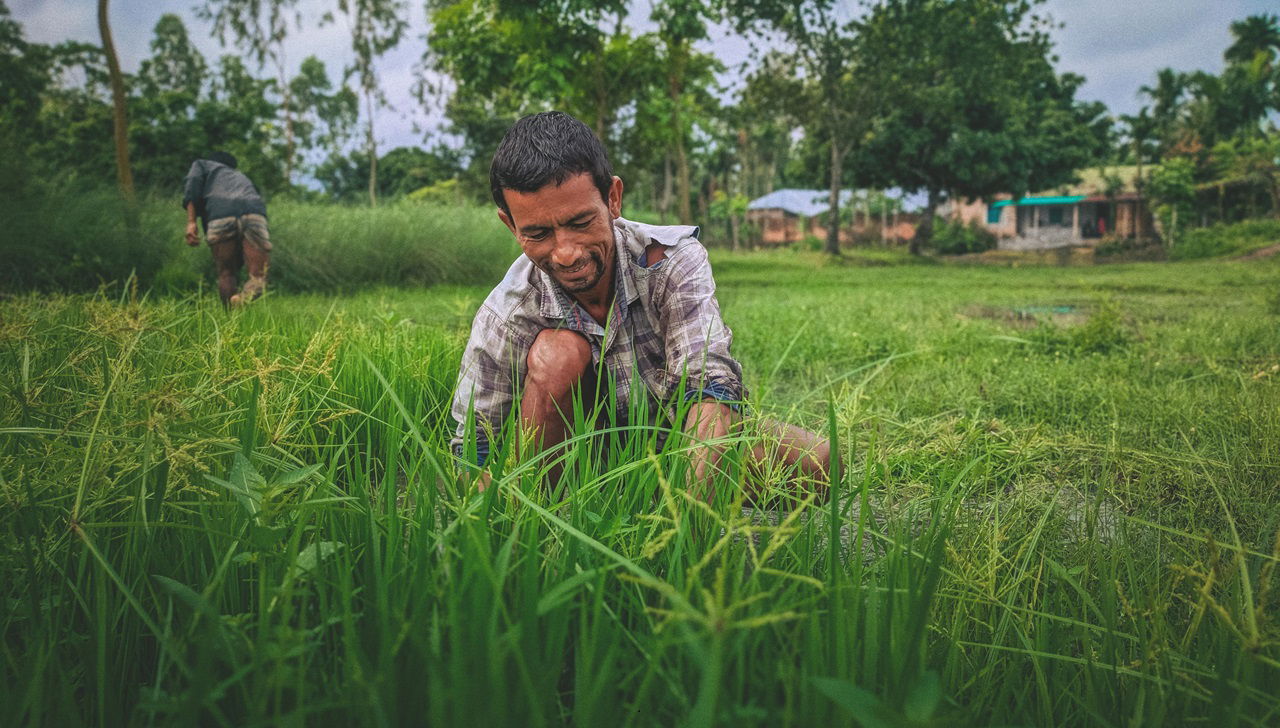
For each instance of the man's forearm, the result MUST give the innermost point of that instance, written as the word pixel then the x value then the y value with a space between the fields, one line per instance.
pixel 707 421
pixel 193 235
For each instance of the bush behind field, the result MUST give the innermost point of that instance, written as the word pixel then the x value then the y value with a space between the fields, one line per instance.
pixel 77 242
pixel 1237 238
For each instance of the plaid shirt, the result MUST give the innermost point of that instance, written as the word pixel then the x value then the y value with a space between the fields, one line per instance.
pixel 664 326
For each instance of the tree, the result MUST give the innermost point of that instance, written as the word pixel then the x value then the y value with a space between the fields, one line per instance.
pixel 1173 187
pixel 508 58
pixel 681 23
pixel 1256 35
pixel 24 79
pixel 966 102
pixel 175 66
pixel 163 127
pixel 259 28
pixel 1167 96
pixel 376 26
pixel 771 105
pixel 325 117
pixel 824 41
pixel 238 116
pixel 124 173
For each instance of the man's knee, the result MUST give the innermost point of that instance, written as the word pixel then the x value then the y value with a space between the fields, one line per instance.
pixel 557 359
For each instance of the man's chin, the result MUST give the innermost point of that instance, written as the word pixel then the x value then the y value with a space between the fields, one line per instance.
pixel 583 282
pixel 579 285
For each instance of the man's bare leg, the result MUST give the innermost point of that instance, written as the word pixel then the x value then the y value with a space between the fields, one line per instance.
pixel 257 261
pixel 557 362
pixel 227 260
pixel 803 452
pixel 806 452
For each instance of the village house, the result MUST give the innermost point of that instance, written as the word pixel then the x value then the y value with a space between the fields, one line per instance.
pixel 788 216
pixel 1105 203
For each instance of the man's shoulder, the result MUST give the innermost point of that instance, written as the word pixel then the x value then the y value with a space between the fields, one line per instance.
pixel 515 297
pixel 639 235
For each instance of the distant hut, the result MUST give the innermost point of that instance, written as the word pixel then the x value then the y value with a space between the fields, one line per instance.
pixel 1105 203
pixel 788 216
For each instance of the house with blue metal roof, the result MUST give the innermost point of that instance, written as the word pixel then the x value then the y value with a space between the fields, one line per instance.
pixel 789 215
pixel 1105 203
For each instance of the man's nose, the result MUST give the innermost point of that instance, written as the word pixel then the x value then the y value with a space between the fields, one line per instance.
pixel 565 251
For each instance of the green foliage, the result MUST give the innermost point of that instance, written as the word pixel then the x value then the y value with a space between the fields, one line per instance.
pixel 1103 332
pixel 77 241
pixel 966 100
pixel 443 193
pixel 400 171
pixel 325 117
pixel 1228 239
pixel 251 518
pixel 951 237
pixel 1172 186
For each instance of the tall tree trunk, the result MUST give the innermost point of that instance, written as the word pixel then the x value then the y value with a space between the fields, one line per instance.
pixel 286 104
pixel 924 233
pixel 833 213
pixel 664 206
pixel 884 223
pixel 678 51
pixel 1137 186
pixel 124 172
pixel 373 152
pixel 733 217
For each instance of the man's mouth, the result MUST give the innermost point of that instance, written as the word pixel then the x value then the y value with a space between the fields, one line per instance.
pixel 572 270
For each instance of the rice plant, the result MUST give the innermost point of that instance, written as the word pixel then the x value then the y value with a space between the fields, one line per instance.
pixel 253 518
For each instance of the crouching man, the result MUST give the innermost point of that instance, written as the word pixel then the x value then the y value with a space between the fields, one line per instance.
pixel 235 224
pixel 600 301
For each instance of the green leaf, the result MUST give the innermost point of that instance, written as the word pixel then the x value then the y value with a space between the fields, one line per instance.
pixel 562 592
pixel 865 708
pixel 188 596
pixel 923 699
pixel 314 554
pixel 298 475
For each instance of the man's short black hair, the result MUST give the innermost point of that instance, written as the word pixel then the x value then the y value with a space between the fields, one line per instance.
pixel 547 148
pixel 222 158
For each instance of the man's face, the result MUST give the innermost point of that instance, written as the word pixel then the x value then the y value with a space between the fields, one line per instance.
pixel 567 231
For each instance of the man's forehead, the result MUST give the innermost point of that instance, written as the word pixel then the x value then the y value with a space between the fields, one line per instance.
pixel 554 203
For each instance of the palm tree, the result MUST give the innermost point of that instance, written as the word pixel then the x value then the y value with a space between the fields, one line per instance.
pixel 1167 102
pixel 1256 34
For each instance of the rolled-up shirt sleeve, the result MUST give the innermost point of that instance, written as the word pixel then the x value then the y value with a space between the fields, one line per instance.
pixel 487 381
pixel 696 339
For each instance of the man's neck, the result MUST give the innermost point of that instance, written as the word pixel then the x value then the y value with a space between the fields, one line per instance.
pixel 596 301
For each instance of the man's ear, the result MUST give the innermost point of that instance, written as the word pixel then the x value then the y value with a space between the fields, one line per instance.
pixel 615 197
pixel 506 220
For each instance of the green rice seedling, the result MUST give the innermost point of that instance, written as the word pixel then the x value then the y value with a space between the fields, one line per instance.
pixel 253 517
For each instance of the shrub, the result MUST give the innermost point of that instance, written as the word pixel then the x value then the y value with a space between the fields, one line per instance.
pixel 1226 239
pixel 955 238
pixel 1103 333
pixel 80 241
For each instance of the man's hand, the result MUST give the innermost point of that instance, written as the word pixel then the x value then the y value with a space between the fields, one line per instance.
pixel 707 421
pixel 193 234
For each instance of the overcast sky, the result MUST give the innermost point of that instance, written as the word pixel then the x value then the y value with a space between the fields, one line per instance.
pixel 1117 45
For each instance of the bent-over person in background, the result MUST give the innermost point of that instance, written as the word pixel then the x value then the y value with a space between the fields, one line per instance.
pixel 235 224
pixel 594 299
